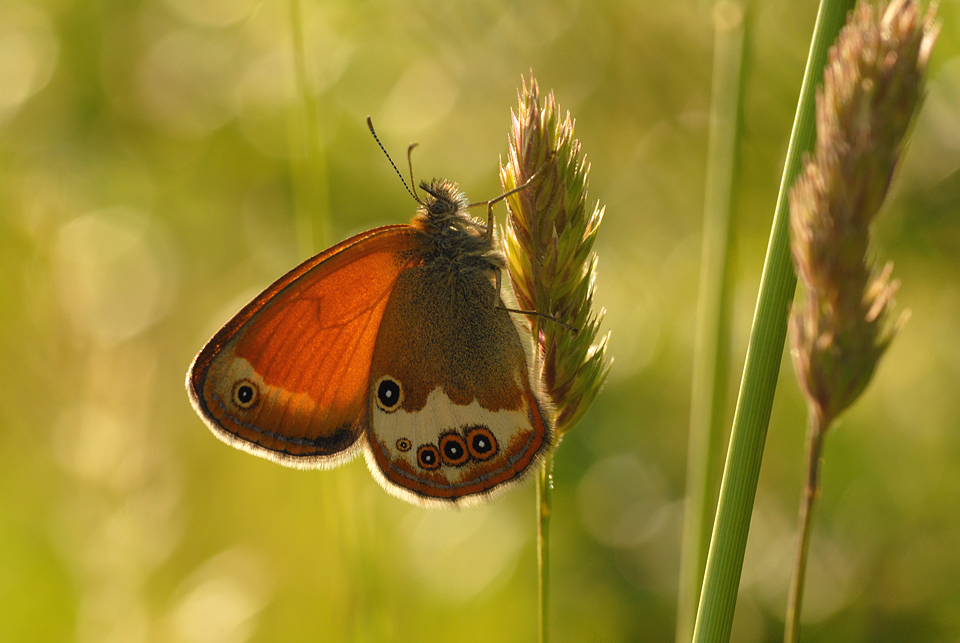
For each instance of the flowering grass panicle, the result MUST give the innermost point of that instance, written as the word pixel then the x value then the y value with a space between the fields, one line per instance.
pixel 549 247
pixel 872 87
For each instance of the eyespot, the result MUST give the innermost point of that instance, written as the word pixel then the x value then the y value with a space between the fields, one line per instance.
pixel 245 394
pixel 453 449
pixel 428 457
pixel 480 442
pixel 404 445
pixel 389 394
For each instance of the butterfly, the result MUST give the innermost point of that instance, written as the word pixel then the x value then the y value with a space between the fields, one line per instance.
pixel 395 342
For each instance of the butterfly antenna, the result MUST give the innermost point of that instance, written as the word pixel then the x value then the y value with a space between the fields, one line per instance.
pixel 413 183
pixel 410 149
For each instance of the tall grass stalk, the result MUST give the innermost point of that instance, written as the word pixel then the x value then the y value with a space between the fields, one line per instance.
pixel 762 364
pixel 544 509
pixel 711 359
pixel 308 163
pixel 548 243
pixel 804 526
pixel 840 329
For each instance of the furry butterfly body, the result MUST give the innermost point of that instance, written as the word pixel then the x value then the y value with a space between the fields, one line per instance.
pixel 395 342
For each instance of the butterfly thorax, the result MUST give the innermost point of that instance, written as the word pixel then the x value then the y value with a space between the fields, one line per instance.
pixel 454 238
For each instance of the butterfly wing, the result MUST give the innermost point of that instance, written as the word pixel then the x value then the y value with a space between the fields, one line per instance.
pixel 452 412
pixel 288 377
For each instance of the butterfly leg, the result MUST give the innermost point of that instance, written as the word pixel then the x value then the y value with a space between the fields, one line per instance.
pixel 489 235
pixel 493 202
pixel 498 303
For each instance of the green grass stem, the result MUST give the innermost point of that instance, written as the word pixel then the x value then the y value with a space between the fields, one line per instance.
pixel 307 157
pixel 762 364
pixel 811 489
pixel 544 509
pixel 711 358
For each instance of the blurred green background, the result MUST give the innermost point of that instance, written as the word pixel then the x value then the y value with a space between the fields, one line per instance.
pixel 146 193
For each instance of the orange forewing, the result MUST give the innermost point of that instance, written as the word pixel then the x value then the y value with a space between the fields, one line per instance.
pixel 306 343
